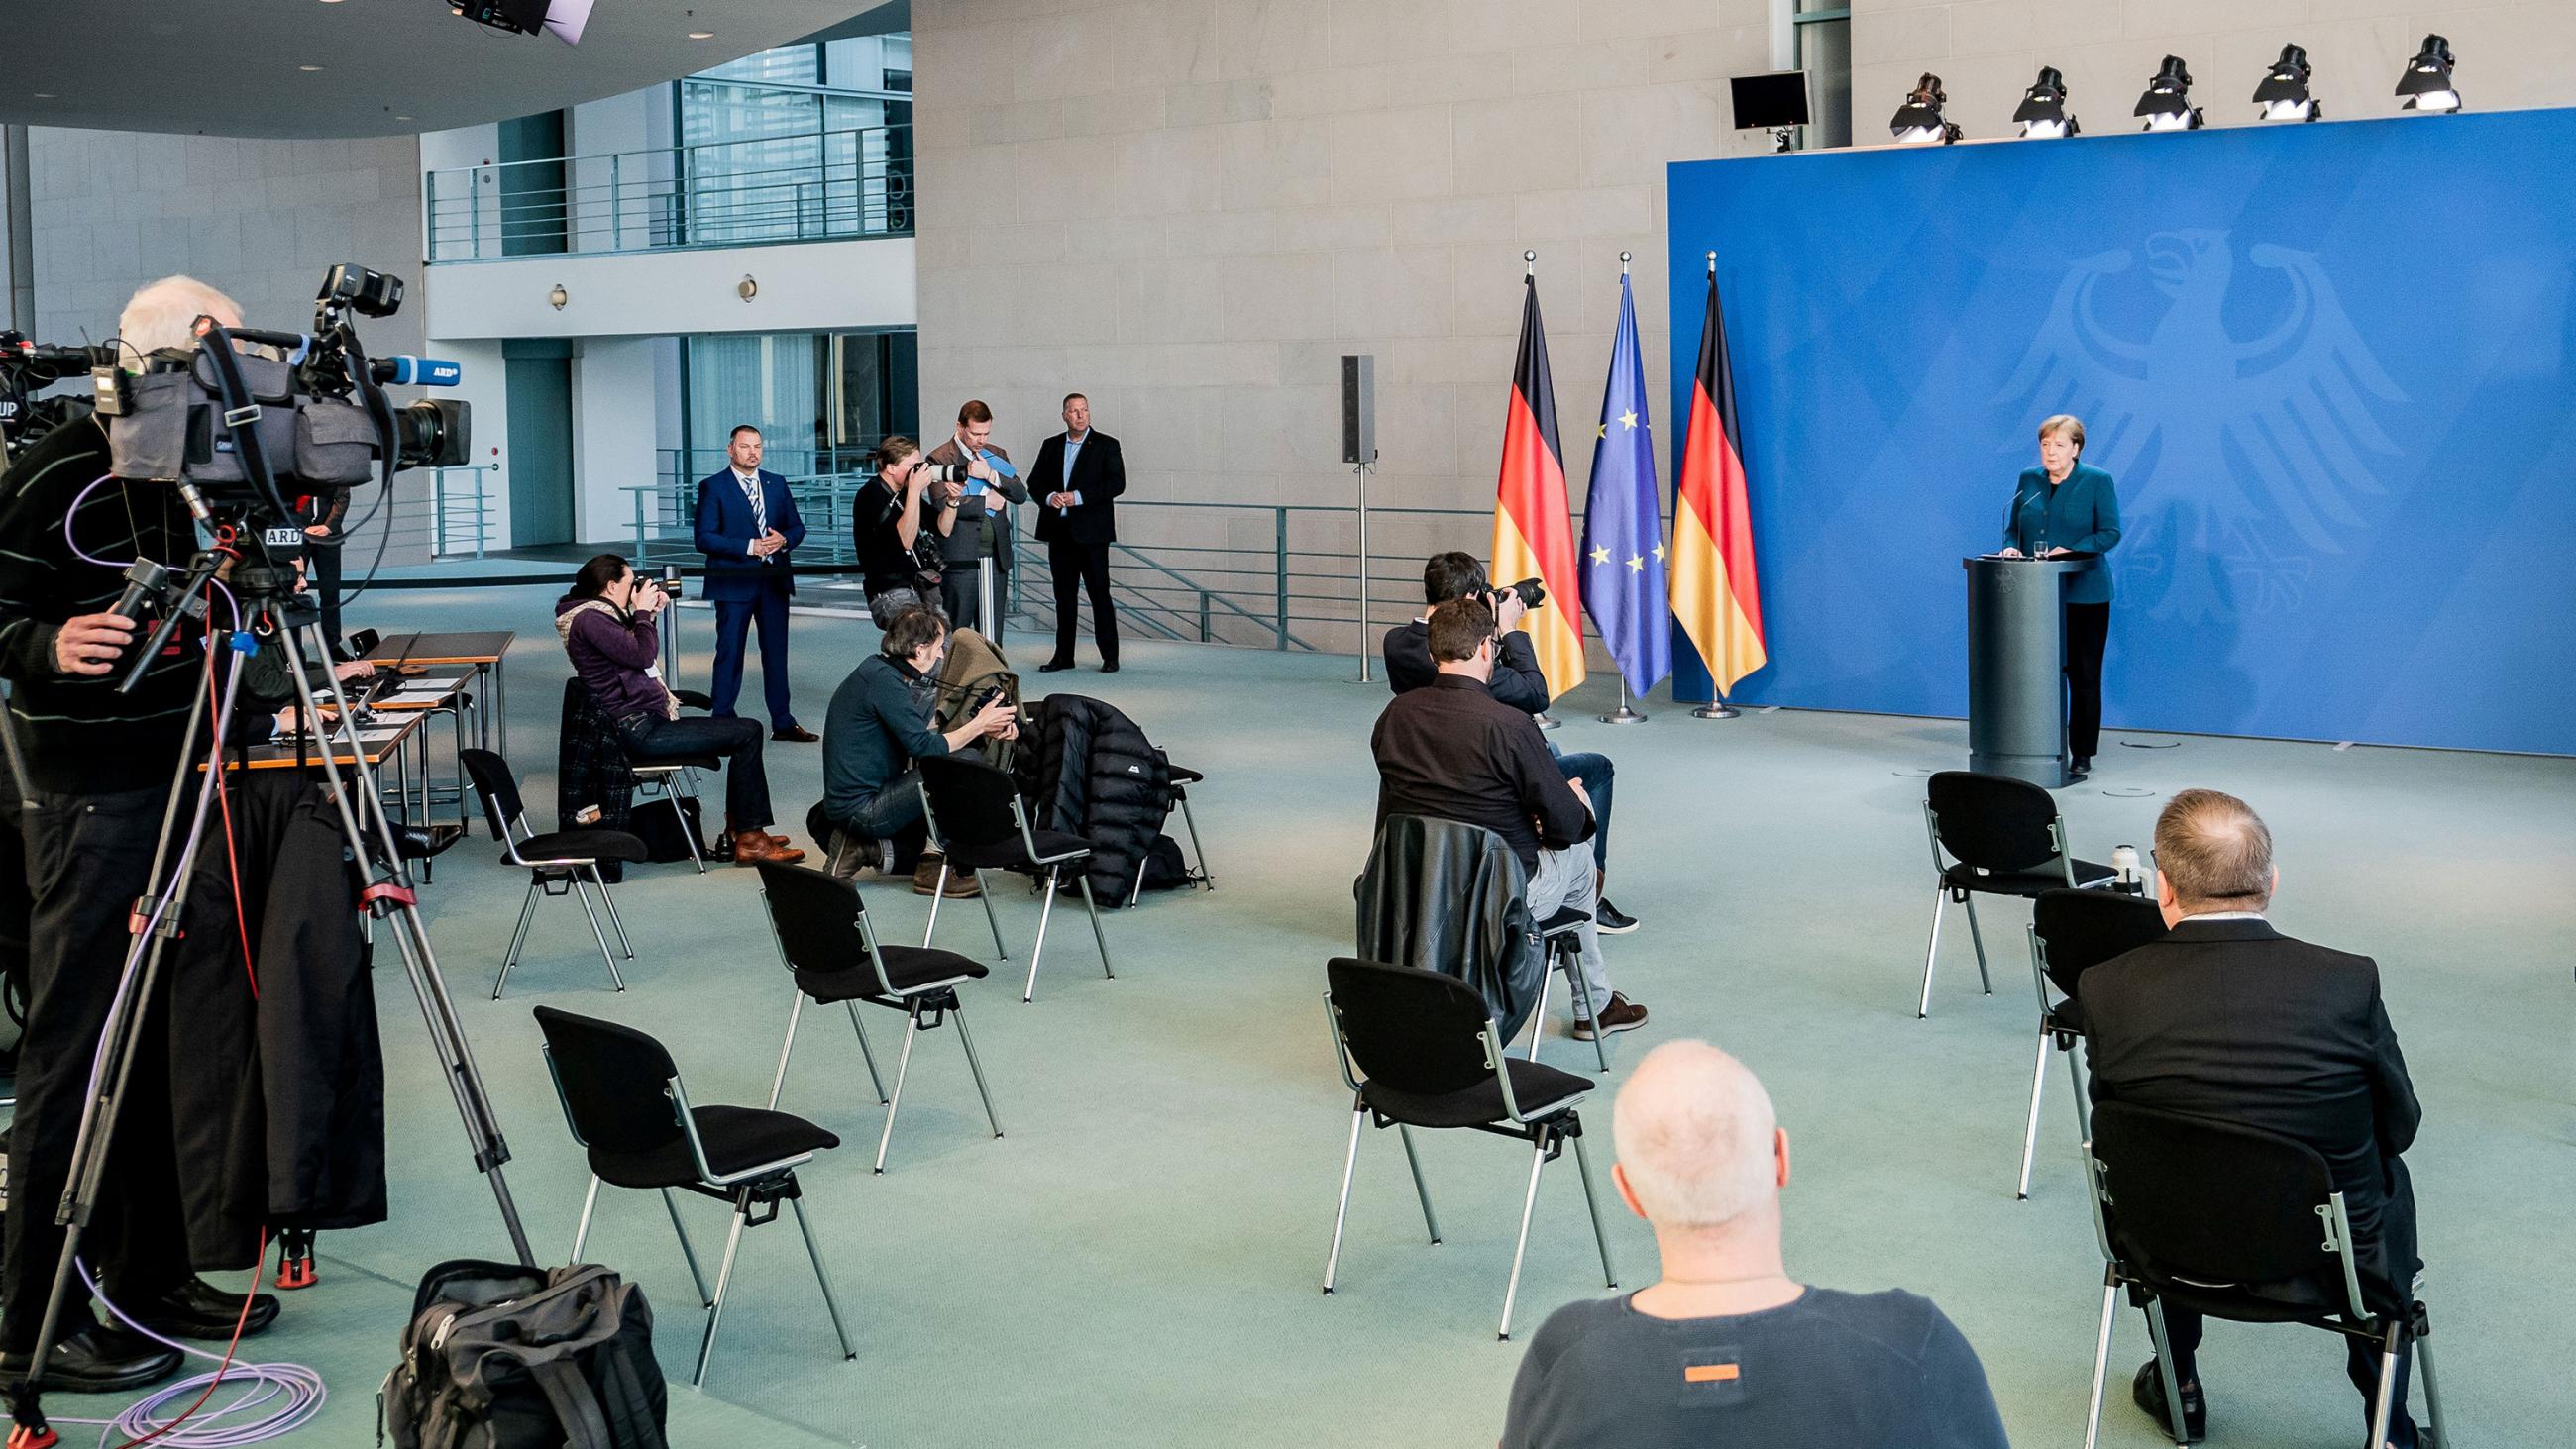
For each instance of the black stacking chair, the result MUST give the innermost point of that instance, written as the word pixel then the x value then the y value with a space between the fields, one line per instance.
pixel 623 1100
pixel 2235 1223
pixel 2003 838
pixel 826 941
pixel 670 780
pixel 1180 796
pixel 2071 932
pixel 979 823
pixel 557 862
pixel 1418 1050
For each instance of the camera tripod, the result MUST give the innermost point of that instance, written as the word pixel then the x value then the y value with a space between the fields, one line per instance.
pixel 388 896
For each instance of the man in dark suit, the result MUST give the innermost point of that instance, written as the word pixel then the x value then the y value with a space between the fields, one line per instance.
pixel 2226 1018
pixel 1081 475
pixel 747 527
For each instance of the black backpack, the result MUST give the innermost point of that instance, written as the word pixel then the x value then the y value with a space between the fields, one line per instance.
pixel 503 1357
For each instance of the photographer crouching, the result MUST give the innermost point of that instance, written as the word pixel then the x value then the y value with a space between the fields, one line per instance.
pixel 1517 682
pixel 99 768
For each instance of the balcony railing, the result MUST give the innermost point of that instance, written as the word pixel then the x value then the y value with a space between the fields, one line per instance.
pixel 814 187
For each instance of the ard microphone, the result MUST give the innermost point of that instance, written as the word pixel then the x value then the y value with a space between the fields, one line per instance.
pixel 415 372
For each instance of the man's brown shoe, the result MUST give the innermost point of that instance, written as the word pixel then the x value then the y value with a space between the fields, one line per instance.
pixel 753 847
pixel 1620 1015
pixel 925 881
pixel 795 735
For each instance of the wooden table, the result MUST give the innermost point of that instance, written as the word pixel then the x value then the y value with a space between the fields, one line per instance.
pixel 483 649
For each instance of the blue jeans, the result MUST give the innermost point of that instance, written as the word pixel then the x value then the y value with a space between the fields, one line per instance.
pixel 1596 772
pixel 735 741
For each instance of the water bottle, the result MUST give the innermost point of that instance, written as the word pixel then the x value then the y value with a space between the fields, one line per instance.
pixel 2124 871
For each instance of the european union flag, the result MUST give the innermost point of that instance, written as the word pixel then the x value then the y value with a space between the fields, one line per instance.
pixel 1623 524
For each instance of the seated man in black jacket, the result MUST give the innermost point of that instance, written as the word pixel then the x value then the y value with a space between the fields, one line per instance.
pixel 1453 751
pixel 2226 1018
pixel 879 723
pixel 1517 682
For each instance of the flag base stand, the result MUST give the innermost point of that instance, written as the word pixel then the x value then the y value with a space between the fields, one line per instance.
pixel 1624 715
pixel 1720 710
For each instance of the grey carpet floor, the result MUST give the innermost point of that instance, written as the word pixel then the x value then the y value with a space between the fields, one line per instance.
pixel 1137 1261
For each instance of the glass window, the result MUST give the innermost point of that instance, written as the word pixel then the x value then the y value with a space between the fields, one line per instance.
pixel 1824 52
pixel 773 155
pixel 822 400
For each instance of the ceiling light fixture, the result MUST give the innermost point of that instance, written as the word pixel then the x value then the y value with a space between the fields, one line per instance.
pixel 308 69
pixel 2426 85
pixel 2167 103
pixel 702 35
pixel 2043 108
pixel 2283 95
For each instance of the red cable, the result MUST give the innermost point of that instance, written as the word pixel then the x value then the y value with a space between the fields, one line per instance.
pixel 257 1264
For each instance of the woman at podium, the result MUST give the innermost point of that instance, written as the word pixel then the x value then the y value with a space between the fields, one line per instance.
pixel 2061 508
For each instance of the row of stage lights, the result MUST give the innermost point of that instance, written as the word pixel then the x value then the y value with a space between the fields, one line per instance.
pixel 2166 106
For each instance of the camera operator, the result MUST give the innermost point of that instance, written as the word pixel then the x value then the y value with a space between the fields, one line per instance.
pixel 99 767
pixel 1518 682
pixel 983 528
pixel 888 517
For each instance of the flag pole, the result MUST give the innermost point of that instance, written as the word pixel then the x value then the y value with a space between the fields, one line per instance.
pixel 1529 277
pixel 1623 715
pixel 1717 708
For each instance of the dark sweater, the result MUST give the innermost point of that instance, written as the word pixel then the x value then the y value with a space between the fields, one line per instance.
pixel 79 734
pixel 1454 752
pixel 877 724
pixel 611 650
pixel 1516 682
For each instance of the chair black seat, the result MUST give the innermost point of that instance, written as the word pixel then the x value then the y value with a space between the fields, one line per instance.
pixel 582 845
pixel 1536 1086
pixel 736 1138
pixel 907 967
pixel 2068 1015
pixel 1011 853
pixel 692 762
pixel 1184 777
pixel 2029 883
pixel 1562 922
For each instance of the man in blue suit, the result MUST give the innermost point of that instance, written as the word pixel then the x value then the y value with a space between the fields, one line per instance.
pixel 748 528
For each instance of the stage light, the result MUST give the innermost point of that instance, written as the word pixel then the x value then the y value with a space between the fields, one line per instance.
pixel 2426 85
pixel 2283 95
pixel 2167 103
pixel 1918 122
pixel 562 19
pixel 2043 109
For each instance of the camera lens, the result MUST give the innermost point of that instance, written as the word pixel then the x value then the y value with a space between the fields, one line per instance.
pixel 431 433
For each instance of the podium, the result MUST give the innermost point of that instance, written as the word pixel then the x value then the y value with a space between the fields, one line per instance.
pixel 2016 666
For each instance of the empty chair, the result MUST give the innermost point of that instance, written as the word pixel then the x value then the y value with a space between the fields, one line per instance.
pixel 1418 1050
pixel 669 781
pixel 2003 838
pixel 1179 795
pixel 557 862
pixel 979 823
pixel 2072 932
pixel 2235 1223
pixel 825 938
pixel 624 1102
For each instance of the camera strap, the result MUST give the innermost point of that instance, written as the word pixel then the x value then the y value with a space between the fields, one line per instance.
pixel 241 414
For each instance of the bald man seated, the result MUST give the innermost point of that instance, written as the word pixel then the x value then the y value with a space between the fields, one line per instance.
pixel 1726 1348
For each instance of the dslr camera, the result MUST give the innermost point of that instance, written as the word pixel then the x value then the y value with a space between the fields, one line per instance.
pixel 1530 592
pixel 942 472
pixel 27 367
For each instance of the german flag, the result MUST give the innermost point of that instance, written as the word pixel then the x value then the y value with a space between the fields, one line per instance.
pixel 1533 530
pixel 1717 604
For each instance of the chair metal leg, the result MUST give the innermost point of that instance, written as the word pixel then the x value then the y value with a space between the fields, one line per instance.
pixel 687 1251
pixel 2030 1129
pixel 1000 951
pixel 581 1231
pixel 1979 938
pixel 1420 1189
pixel 1592 1201
pixel 1092 908
pixel 866 1053
pixel 724 1275
pixel 2382 1404
pixel 510 958
pixel 687 832
pixel 830 1303
pixel 975 1064
pixel 2101 1362
pixel 615 920
pixel 1932 953
pixel 1342 1205
pixel 911 1029
pixel 2165 1371
pixel 1538 1018
pixel 1206 875
pixel 2432 1392
pixel 778 1083
pixel 937 893
pixel 2083 1105
pixel 1046 910
pixel 1136 889
pixel 1573 964
pixel 583 892
pixel 1520 1249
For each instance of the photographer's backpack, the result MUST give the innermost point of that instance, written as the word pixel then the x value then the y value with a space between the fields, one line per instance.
pixel 503 1357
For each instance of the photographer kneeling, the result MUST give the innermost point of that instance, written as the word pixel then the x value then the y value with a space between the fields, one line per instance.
pixel 1517 682
pixel 607 626
pixel 878 725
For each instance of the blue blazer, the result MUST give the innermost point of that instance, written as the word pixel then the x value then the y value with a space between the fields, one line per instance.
pixel 2082 513
pixel 725 532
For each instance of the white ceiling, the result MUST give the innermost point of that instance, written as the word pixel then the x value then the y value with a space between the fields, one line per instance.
pixel 234 67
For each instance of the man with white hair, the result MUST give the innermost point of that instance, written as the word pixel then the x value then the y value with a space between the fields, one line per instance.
pixel 1726 1348
pixel 98 768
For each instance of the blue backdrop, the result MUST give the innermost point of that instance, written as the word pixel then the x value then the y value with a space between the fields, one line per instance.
pixel 2332 368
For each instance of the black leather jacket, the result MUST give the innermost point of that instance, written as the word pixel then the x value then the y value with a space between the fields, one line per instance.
pixel 1451 897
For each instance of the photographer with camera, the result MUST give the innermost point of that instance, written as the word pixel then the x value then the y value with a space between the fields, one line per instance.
pixel 99 767
pixel 889 518
pixel 608 624
pixel 990 484
pixel 1516 681
pixel 878 725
